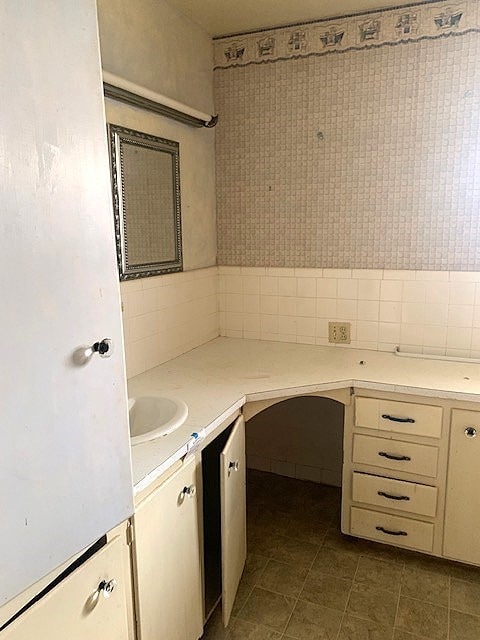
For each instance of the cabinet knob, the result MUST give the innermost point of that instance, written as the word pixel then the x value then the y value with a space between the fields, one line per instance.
pixel 234 465
pixel 190 491
pixel 106 587
pixel 470 432
pixel 103 347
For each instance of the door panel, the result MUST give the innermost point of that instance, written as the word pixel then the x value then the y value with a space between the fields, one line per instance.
pixel 167 561
pixel 76 608
pixel 462 513
pixel 233 509
pixel 65 457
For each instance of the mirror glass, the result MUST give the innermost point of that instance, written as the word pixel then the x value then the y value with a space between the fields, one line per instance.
pixel 146 197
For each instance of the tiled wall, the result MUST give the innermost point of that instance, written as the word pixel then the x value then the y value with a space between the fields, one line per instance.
pixel 422 311
pixel 298 438
pixel 359 159
pixel 166 316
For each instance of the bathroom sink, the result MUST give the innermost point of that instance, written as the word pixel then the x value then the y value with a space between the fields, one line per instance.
pixel 154 417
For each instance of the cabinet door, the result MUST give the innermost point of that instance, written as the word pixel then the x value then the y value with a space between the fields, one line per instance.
pixel 462 513
pixel 234 515
pixel 76 608
pixel 167 560
pixel 65 455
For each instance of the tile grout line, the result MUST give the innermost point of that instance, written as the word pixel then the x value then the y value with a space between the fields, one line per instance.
pixel 348 599
pixel 303 585
pixel 449 605
pixel 398 602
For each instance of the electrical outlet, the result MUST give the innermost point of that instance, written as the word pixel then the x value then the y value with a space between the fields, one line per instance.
pixel 339 332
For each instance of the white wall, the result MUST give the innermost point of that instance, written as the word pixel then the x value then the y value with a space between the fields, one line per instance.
pixel 151 44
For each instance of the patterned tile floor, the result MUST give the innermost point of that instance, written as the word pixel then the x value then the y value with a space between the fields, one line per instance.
pixel 304 580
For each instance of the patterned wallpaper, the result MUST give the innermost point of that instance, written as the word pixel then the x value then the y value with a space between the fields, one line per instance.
pixel 365 158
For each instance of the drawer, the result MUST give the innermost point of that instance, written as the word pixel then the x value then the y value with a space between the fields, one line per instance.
pixel 399 417
pixel 395 494
pixel 393 454
pixel 392 529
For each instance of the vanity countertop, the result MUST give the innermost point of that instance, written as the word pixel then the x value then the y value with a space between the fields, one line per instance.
pixel 217 378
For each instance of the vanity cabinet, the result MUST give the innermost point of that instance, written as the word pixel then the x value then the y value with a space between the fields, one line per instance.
pixel 167 560
pixel 394 471
pixel 462 513
pixel 91 602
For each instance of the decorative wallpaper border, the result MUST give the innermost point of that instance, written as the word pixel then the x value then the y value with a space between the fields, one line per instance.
pixel 351 33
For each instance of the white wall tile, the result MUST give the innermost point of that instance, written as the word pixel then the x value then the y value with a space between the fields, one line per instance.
pixel 391 290
pixel 347 289
pixel 326 288
pixel 369 289
pixel 390 311
pixel 287 286
pixel 269 285
pixel 306 287
pixel 368 310
pixel 462 293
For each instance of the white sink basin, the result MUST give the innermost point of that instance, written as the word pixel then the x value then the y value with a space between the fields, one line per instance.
pixel 153 417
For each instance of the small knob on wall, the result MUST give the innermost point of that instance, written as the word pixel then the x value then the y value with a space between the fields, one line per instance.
pixel 190 491
pixel 470 432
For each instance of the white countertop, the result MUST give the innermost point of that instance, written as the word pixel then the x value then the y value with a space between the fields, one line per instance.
pixel 217 379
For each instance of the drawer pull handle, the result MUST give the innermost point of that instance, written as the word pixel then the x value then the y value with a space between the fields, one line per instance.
pixel 385 416
pixel 391 497
pixel 391 456
pixel 391 533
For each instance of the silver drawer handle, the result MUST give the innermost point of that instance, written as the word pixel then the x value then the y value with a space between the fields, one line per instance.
pixel 106 587
pixel 383 494
pixel 391 533
pixel 190 491
pixel 234 465
pixel 470 432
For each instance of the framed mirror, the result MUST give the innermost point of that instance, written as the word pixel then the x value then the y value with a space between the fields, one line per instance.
pixel 146 203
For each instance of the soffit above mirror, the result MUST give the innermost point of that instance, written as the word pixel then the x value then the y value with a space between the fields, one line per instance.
pixel 225 17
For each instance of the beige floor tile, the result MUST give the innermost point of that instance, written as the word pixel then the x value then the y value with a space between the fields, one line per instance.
pixel 254 567
pixel 335 539
pixel 245 588
pixel 283 578
pixel 422 618
pixel 307 531
pixel 372 604
pixel 313 622
pixel 357 629
pixel 464 626
pixel 378 574
pixel 292 551
pixel 267 609
pixel 337 562
pixel 327 591
pixel 243 630
pixel 423 585
pixel 464 572
pixel 465 596
pixel 382 552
